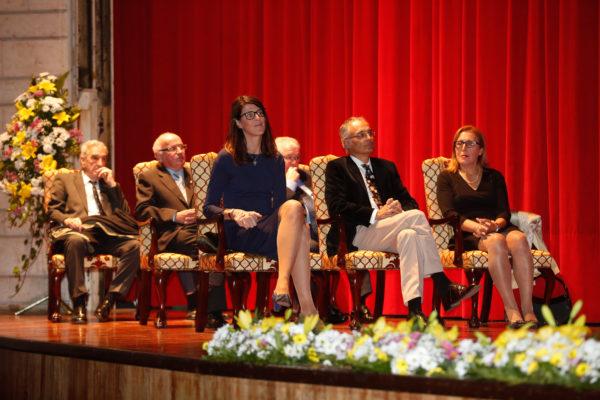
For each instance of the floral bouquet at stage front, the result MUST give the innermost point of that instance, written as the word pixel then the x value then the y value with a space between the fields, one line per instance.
pixel 561 355
pixel 40 137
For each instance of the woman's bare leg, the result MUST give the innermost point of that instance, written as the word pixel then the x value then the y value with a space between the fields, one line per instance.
pixel 522 262
pixel 499 267
pixel 293 243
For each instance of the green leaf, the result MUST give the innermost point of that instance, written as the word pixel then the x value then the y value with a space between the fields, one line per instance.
pixel 288 314
pixel 60 81
pixel 576 308
pixel 548 316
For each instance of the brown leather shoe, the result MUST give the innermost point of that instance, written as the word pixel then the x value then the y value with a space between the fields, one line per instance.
pixel 457 293
pixel 79 315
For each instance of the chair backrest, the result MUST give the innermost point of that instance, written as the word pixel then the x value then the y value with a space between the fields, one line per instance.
pixel 48 180
pixel 431 168
pixel 317 173
pixel 201 166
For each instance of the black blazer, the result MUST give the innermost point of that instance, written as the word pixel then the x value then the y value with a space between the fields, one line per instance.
pixel 346 195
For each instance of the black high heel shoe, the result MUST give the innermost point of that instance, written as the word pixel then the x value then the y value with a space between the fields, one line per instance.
pixel 281 302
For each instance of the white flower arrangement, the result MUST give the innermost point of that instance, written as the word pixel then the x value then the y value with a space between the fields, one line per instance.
pixel 558 355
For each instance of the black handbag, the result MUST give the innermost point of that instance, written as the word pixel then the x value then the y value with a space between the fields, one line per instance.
pixel 560 302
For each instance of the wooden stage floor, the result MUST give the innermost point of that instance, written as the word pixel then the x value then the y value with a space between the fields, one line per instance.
pixel 122 359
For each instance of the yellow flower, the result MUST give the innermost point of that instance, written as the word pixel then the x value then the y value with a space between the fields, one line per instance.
pixel 498 356
pixel 12 188
pixel 532 367
pixel 32 88
pixel 46 86
pixel 244 319
pixel 381 356
pixel 556 359
pixel 48 163
pixel 24 114
pixel 266 324
pixel 436 370
pixel 312 355
pixel 19 138
pixel 581 369
pixel 299 338
pixel 573 353
pixel 285 328
pixel 24 192
pixel 520 358
pixel 61 117
pixel 401 366
pixel 28 150
pixel 541 353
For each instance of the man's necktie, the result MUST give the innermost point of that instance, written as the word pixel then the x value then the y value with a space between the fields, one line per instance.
pixel 97 198
pixel 179 182
pixel 370 177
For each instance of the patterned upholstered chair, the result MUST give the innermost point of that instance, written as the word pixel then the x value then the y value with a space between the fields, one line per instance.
pixel 237 265
pixel 351 262
pixel 475 263
pixel 105 263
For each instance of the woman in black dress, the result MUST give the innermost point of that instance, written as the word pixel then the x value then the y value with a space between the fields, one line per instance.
pixel 477 194
pixel 247 185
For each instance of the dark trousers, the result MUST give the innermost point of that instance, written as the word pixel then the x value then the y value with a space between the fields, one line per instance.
pixel 76 248
pixel 185 242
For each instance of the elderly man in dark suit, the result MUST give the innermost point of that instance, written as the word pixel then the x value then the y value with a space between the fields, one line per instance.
pixel 166 194
pixel 380 215
pixel 74 198
pixel 298 183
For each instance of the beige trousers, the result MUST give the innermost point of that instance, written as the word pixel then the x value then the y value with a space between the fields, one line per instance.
pixel 409 235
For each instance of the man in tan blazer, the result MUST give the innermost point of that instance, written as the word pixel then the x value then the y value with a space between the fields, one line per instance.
pixel 166 194
pixel 76 196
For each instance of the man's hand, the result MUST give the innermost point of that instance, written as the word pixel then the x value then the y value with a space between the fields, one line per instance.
pixel 186 217
pixel 74 223
pixel 292 174
pixel 107 176
pixel 390 208
pixel 245 219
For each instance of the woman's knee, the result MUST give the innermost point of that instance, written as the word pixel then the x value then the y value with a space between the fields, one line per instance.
pixel 516 240
pixel 292 210
pixel 495 244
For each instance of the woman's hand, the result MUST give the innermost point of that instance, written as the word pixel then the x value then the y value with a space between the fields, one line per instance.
pixel 489 225
pixel 245 219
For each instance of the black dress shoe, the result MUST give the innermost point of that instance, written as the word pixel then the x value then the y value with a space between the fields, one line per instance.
pixel 79 315
pixel 516 325
pixel 335 316
pixel 215 320
pixel 457 293
pixel 418 315
pixel 103 310
pixel 364 315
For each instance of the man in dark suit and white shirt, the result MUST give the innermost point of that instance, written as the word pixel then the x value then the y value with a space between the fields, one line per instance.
pixel 165 193
pixel 380 215
pixel 74 197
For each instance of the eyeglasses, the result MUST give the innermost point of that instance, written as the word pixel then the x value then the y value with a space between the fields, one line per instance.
pixel 250 115
pixel 468 143
pixel 173 149
pixel 362 134
pixel 292 158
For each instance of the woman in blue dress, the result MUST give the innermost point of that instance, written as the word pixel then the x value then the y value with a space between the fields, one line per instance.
pixel 247 186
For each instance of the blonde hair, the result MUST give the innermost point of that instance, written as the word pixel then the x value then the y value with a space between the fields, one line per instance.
pixel 481 160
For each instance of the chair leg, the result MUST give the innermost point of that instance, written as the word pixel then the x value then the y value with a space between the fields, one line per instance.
pixel 321 279
pixel 235 282
pixel 54 297
pixel 334 281
pixel 201 302
pixel 262 294
pixel 355 280
pixel 488 289
pixel 379 292
pixel 144 293
pixel 161 283
pixel 474 276
pixel 108 275
pixel 246 283
pixel 549 280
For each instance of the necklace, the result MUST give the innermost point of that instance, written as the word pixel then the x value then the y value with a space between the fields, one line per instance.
pixel 254 158
pixel 471 182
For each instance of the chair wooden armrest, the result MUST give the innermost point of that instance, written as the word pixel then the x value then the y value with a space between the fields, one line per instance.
pixel 454 222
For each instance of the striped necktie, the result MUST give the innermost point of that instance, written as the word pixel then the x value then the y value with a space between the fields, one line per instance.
pixel 97 198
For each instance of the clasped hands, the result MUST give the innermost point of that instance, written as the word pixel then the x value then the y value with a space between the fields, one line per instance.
pixel 485 227
pixel 245 219
pixel 389 209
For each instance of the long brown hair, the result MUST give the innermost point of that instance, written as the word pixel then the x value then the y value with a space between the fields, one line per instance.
pixel 481 160
pixel 235 143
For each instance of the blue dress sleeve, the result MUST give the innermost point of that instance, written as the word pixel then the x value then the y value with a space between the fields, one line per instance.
pixel 279 188
pixel 219 180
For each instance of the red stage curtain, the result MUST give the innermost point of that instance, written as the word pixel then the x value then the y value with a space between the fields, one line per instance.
pixel 525 72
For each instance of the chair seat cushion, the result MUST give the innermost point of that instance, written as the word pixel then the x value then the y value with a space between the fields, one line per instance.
pixel 246 262
pixel 99 261
pixel 375 260
pixel 174 262
pixel 479 259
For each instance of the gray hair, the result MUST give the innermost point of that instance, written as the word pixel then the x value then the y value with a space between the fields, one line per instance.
pixel 286 141
pixel 90 144
pixel 158 143
pixel 344 127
